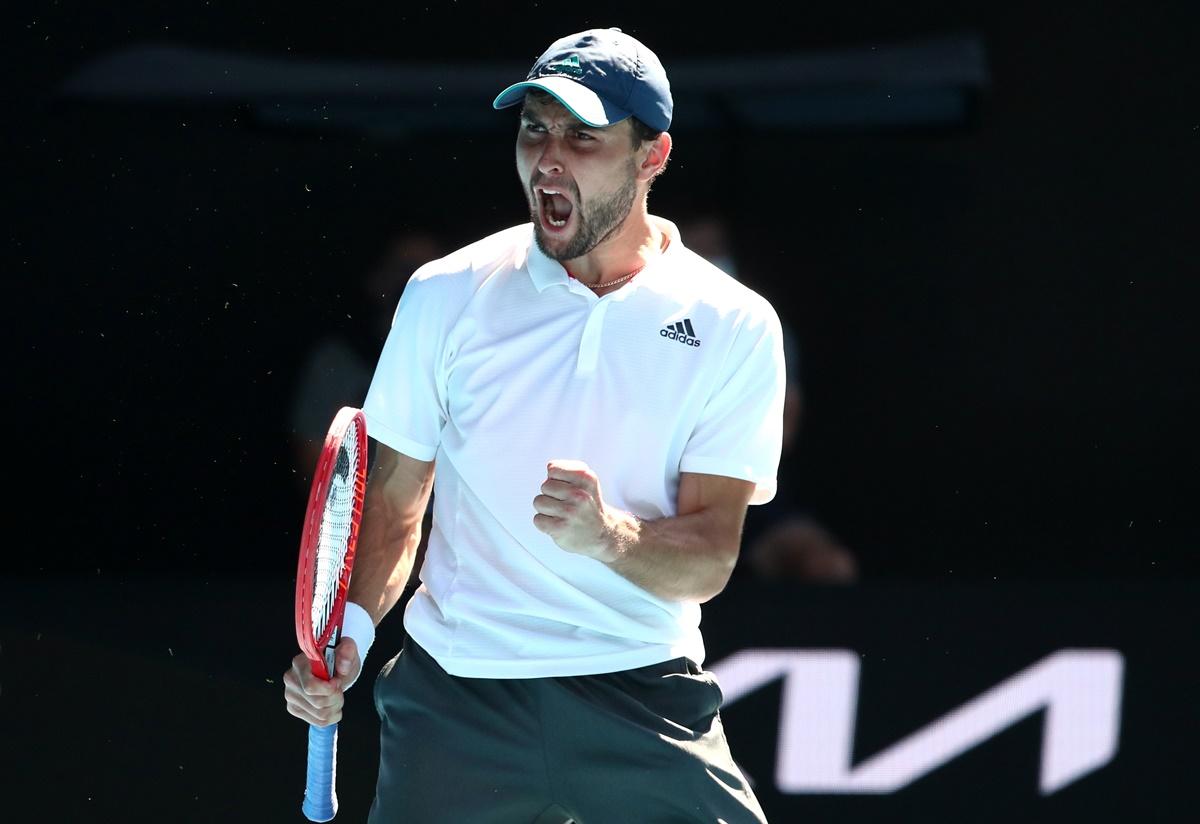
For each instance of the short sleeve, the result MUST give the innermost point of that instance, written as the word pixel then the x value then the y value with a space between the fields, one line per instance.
pixel 404 407
pixel 740 431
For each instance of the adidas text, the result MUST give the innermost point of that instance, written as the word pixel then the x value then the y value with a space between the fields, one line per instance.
pixel 677 332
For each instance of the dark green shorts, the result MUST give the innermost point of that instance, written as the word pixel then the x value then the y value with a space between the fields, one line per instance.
pixel 636 747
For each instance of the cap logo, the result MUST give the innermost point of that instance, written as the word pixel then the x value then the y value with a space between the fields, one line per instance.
pixel 568 65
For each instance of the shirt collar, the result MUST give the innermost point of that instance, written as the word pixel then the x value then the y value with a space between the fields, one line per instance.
pixel 543 271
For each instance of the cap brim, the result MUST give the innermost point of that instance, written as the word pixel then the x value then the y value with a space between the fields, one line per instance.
pixel 578 99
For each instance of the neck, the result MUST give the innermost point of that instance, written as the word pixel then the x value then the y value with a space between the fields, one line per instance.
pixel 638 241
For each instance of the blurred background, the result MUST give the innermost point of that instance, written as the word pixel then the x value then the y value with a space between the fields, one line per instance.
pixel 977 222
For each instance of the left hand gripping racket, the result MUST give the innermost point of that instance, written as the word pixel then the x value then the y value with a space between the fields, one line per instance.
pixel 326 557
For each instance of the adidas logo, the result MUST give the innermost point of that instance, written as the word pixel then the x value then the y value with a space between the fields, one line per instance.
pixel 681 331
pixel 568 65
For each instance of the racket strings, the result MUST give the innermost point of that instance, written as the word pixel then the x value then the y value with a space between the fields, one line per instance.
pixel 334 535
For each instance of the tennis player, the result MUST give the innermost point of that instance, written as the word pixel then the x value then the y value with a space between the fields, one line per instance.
pixel 601 405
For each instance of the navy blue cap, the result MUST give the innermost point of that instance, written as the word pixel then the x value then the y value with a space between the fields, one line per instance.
pixel 602 76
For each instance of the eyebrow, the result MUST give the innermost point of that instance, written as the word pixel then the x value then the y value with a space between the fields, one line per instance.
pixel 576 124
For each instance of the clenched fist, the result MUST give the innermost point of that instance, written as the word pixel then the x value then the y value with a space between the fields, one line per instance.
pixel 313 699
pixel 570 509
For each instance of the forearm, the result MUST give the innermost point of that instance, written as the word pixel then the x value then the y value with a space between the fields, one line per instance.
pixel 682 558
pixel 383 564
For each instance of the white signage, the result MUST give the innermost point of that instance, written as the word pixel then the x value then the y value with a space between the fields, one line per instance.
pixel 1080 690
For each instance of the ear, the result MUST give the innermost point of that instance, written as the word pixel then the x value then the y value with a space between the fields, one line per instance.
pixel 656 157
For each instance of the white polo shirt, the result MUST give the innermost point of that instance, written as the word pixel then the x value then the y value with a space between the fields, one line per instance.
pixel 498 362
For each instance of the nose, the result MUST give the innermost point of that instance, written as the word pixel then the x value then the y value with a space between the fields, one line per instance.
pixel 550 162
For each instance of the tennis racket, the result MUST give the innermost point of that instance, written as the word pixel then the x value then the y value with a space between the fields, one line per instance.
pixel 322 579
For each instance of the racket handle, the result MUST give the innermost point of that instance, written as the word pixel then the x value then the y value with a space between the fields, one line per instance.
pixel 320 795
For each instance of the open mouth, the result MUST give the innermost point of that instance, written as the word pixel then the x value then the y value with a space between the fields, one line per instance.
pixel 555 208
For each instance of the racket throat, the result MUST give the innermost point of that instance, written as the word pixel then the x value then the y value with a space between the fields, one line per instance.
pixel 330 650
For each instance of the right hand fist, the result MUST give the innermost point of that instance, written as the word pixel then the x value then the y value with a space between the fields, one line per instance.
pixel 313 699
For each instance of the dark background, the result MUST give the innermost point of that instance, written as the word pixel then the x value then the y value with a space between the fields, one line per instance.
pixel 995 315
pixel 994 318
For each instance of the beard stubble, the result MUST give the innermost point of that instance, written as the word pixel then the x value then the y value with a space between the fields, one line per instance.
pixel 596 224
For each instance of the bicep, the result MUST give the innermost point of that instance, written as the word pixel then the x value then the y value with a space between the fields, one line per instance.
pixel 399 482
pixel 724 499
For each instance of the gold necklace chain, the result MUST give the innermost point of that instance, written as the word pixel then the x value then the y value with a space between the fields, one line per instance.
pixel 665 242
pixel 618 280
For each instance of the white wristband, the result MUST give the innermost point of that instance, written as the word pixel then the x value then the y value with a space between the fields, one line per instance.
pixel 357 624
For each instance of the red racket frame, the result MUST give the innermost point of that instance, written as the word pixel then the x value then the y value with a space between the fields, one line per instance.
pixel 314 647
